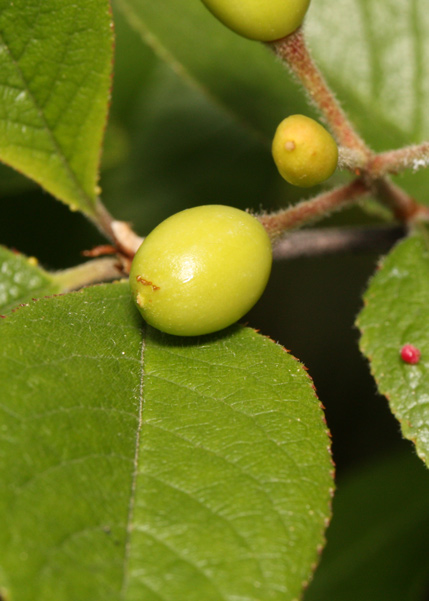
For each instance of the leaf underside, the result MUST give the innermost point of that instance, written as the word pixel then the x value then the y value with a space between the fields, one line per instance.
pixel 396 313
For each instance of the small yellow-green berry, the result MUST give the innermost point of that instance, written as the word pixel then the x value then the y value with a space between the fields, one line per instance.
pixel 263 20
pixel 304 152
pixel 201 270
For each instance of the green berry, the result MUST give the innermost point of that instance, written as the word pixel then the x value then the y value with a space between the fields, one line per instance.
pixel 201 270
pixel 304 152
pixel 263 20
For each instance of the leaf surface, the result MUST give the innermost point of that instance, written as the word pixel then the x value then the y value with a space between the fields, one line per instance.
pixel 136 465
pixel 396 313
pixel 21 279
pixel 55 65
pixel 374 55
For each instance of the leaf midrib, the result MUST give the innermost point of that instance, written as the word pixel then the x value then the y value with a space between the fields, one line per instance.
pixel 133 488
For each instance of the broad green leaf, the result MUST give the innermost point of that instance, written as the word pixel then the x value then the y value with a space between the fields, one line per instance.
pixel 396 313
pixel 140 466
pixel 21 279
pixel 377 542
pixel 242 74
pixel 55 65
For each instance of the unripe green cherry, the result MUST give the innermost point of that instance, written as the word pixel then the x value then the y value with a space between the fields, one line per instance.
pixel 201 270
pixel 304 152
pixel 263 20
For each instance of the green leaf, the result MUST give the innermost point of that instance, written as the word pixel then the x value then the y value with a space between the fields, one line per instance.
pixel 55 65
pixel 377 542
pixel 396 313
pixel 373 54
pixel 140 466
pixel 21 280
pixel 242 74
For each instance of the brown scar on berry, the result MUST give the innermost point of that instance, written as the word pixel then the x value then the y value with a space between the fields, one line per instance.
pixel 141 279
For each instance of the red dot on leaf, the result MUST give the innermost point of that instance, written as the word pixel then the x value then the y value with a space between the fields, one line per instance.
pixel 410 354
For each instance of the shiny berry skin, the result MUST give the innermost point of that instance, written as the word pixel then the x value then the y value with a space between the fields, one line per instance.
pixel 410 354
pixel 263 20
pixel 304 152
pixel 201 270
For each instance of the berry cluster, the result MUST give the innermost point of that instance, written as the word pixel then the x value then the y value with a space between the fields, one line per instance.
pixel 202 269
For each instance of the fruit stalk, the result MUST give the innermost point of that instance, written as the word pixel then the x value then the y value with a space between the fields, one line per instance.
pixel 119 233
pixel 308 211
pixel 402 205
pixel 394 161
pixel 91 272
pixel 293 51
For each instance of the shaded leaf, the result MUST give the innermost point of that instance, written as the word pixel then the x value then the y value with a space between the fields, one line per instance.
pixel 242 74
pixel 374 55
pixel 55 65
pixel 396 313
pixel 21 279
pixel 377 542
pixel 136 465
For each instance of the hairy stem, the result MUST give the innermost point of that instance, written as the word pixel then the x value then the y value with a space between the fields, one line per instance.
pixel 394 161
pixel 402 205
pixel 293 51
pixel 308 211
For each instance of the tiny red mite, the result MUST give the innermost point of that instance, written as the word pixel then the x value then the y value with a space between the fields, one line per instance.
pixel 410 354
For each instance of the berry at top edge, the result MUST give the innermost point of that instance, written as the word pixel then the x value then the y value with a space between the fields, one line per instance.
pixel 262 20
pixel 201 270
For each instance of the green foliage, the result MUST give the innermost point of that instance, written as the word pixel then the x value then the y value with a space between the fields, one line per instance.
pixel 135 465
pixel 396 313
pixel 124 472
pixel 374 59
pixel 21 279
pixel 55 61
